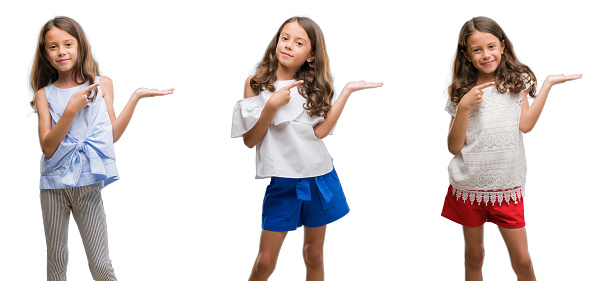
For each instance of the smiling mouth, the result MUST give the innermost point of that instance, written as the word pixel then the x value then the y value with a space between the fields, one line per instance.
pixel 63 61
pixel 286 54
pixel 488 63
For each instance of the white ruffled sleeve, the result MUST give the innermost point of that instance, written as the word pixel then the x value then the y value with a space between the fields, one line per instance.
pixel 451 108
pixel 246 115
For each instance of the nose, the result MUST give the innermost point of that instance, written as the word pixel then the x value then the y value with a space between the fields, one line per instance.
pixel 486 54
pixel 288 45
pixel 61 51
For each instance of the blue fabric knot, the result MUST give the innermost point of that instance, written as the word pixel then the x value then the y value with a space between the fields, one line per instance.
pixel 87 149
pixel 303 191
pixel 80 146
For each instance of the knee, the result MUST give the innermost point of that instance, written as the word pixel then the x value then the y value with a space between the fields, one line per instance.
pixel 522 263
pixel 474 256
pixel 57 261
pixel 102 271
pixel 264 266
pixel 313 255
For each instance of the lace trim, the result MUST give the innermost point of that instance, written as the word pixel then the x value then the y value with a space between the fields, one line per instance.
pixel 489 196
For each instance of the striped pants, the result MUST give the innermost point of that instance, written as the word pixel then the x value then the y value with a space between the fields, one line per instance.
pixel 86 205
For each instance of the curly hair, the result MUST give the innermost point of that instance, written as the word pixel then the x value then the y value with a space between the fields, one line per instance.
pixel 318 82
pixel 510 75
pixel 86 67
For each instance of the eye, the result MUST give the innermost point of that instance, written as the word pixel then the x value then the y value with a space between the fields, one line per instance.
pixel 52 47
pixel 476 50
pixel 299 43
pixel 284 38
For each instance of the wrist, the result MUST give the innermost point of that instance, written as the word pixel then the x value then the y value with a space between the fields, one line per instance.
pixel 463 107
pixel 547 84
pixel 346 91
pixel 135 96
pixel 70 111
pixel 271 106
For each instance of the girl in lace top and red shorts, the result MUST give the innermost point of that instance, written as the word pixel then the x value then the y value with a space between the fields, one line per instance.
pixel 490 112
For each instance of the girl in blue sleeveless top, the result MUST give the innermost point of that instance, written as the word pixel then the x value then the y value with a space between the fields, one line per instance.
pixel 77 128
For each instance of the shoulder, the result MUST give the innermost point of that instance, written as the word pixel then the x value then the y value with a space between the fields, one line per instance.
pixel 40 93
pixel 106 81
pixel 40 100
pixel 106 85
pixel 248 91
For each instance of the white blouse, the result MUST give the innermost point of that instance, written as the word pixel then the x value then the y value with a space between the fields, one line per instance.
pixel 289 148
pixel 491 166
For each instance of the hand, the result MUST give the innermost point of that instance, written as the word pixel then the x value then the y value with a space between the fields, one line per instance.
pixel 78 100
pixel 557 79
pixel 282 96
pixel 474 96
pixel 145 93
pixel 361 85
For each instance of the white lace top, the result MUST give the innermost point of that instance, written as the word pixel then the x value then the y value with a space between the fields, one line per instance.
pixel 491 166
pixel 289 148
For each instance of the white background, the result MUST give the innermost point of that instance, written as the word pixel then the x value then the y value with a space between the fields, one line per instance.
pixel 187 206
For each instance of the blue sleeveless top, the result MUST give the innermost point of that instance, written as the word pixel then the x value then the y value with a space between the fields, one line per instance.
pixel 86 155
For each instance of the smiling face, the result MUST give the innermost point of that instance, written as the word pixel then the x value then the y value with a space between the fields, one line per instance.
pixel 61 49
pixel 484 51
pixel 293 47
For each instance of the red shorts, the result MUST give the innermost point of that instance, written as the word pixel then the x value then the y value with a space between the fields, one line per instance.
pixel 508 215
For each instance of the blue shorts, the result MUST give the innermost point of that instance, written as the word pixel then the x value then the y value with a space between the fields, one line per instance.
pixel 287 206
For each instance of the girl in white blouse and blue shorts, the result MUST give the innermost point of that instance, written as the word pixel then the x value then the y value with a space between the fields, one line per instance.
pixel 286 112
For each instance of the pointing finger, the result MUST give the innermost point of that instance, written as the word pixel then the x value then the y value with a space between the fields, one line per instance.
pixel 485 85
pixel 293 84
pixel 90 87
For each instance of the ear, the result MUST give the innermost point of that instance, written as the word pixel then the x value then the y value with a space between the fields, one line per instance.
pixel 502 46
pixel 311 57
pixel 466 56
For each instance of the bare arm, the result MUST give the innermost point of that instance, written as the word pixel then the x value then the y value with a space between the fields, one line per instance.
pixel 530 115
pixel 323 128
pixel 278 99
pixel 121 123
pixel 458 124
pixel 49 138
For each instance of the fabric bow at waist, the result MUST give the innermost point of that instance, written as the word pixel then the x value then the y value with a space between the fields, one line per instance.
pixel 303 192
pixel 70 153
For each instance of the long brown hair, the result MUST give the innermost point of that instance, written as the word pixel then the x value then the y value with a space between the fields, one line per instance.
pixel 86 68
pixel 318 82
pixel 510 75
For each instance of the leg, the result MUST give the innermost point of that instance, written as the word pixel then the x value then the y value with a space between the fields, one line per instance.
pixel 270 244
pixel 313 252
pixel 516 242
pixel 88 211
pixel 474 252
pixel 56 214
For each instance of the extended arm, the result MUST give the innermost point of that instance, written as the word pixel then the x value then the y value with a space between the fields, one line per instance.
pixel 323 128
pixel 530 115
pixel 121 122
pixel 49 138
